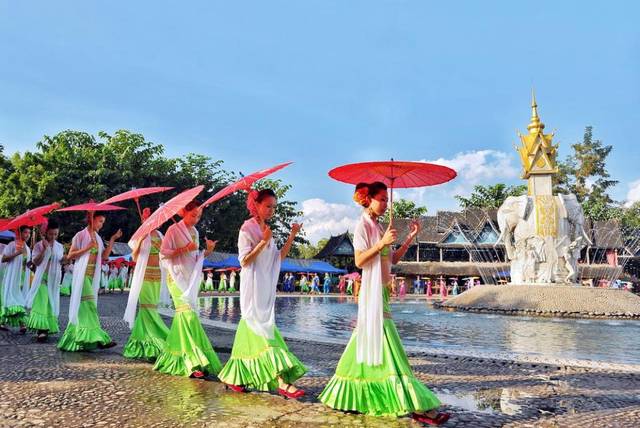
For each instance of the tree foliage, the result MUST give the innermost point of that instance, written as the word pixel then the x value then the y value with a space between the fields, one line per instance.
pixel 584 173
pixel 491 196
pixel 73 167
pixel 404 208
pixel 309 251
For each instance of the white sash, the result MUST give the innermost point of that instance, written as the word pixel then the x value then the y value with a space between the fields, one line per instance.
pixel 15 287
pixel 258 280
pixel 185 269
pixel 81 240
pixel 370 318
pixel 138 278
pixel 51 265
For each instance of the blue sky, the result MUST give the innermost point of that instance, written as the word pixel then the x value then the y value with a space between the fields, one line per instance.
pixel 328 82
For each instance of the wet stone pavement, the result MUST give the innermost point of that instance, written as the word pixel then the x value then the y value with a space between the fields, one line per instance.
pixel 41 386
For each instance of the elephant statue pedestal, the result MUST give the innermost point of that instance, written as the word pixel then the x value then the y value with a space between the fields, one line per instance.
pixel 543 236
pixel 549 300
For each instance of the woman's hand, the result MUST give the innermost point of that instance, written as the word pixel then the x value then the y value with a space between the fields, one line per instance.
pixel 116 235
pixel 415 228
pixel 389 236
pixel 267 234
pixel 211 245
pixel 295 229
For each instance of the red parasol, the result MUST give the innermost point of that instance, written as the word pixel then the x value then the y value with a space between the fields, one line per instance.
pixel 4 222
pixel 395 174
pixel 353 275
pixel 31 221
pixel 166 211
pixel 244 183
pixel 136 194
pixel 32 217
pixel 92 207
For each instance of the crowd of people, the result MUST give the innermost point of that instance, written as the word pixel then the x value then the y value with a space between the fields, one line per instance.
pixel 373 375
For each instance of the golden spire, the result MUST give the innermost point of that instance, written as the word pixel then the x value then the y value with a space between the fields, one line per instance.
pixel 537 152
pixel 535 125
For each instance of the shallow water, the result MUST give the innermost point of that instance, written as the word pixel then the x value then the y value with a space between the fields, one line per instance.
pixel 420 325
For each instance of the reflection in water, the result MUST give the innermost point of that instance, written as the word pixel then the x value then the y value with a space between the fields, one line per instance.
pixel 510 400
pixel 526 337
pixel 482 401
pixel 420 324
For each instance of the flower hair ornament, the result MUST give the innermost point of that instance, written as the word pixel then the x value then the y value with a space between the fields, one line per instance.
pixel 251 202
pixel 361 196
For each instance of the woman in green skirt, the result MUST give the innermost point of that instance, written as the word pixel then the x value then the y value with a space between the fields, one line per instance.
pixel 65 287
pixel 222 284
pixel 260 359
pixel 148 331
pixel 16 281
pixel 373 375
pixel 83 331
pixel 44 294
pixel 188 351
pixel 232 281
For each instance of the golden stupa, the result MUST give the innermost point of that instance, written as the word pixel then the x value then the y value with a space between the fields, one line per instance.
pixel 537 152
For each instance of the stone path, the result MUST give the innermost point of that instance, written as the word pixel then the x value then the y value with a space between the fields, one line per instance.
pixel 40 386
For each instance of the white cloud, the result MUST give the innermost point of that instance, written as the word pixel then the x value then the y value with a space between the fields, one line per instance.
pixel 478 165
pixel 633 195
pixel 473 167
pixel 322 219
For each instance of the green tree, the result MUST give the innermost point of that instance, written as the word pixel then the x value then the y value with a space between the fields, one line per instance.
pixel 5 164
pixel 584 173
pixel 629 217
pixel 404 208
pixel 73 166
pixel 309 251
pixel 491 196
pixel 287 213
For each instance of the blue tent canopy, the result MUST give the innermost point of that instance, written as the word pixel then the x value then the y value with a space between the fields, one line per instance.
pixel 7 235
pixel 288 265
pixel 126 257
pixel 229 262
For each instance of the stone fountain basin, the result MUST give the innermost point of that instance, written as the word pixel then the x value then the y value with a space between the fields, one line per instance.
pixel 572 301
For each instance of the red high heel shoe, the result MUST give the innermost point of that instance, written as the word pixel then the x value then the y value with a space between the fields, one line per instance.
pixel 287 394
pixel 197 374
pixel 438 420
pixel 235 388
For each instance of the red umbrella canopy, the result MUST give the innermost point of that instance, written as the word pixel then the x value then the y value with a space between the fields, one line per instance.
pixel 395 174
pixel 32 217
pixel 135 194
pixel 244 183
pixel 166 211
pixel 29 221
pixel 4 222
pixel 92 207
pixel 353 275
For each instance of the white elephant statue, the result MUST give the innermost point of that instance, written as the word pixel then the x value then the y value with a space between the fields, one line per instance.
pixel 536 259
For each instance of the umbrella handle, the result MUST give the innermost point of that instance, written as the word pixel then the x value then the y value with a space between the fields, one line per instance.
pixel 391 204
pixel 137 200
